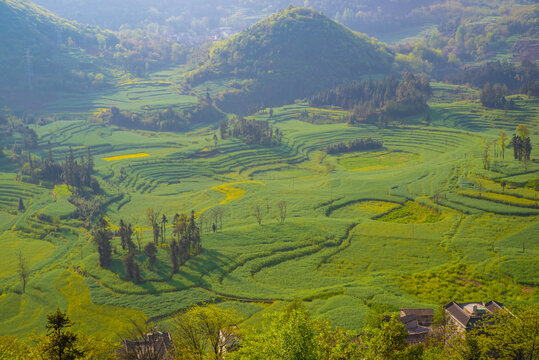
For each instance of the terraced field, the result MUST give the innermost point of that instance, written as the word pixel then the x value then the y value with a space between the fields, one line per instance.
pixel 417 223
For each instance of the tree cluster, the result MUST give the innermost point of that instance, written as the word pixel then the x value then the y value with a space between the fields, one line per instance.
pixel 522 146
pixel 494 97
pixel 355 145
pixel 77 174
pixel 405 97
pixel 254 132
pixel 102 236
pixel 516 78
pixel 165 120
pixel 186 242
pixel 210 332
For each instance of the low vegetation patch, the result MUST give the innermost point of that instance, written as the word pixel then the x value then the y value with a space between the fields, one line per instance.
pixel 412 212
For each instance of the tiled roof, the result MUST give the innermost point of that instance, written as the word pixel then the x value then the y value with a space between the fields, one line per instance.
pixel 468 318
pixel 419 312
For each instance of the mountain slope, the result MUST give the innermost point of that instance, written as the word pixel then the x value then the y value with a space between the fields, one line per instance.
pixel 289 55
pixel 41 51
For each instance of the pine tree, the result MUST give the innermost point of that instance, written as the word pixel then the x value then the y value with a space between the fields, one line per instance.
pixel 21 205
pixel 61 343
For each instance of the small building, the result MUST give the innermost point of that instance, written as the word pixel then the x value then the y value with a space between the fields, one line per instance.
pixel 417 323
pixel 156 345
pixel 467 316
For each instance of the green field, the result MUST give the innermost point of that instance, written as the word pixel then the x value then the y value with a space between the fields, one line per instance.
pixel 405 226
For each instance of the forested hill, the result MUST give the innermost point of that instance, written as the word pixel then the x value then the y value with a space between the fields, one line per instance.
pixel 41 51
pixel 289 55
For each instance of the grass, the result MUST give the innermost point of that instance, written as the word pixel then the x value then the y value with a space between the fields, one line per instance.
pixel 400 227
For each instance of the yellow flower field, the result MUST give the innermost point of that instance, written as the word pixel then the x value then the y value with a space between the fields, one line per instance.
pixel 503 198
pixel 231 192
pixel 122 157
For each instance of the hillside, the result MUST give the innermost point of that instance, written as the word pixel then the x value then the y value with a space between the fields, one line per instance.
pixel 287 56
pixel 45 52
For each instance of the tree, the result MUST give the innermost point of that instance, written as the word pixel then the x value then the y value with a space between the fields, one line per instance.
pixel 503 139
pixel 61 343
pixel 282 207
pixel 21 205
pixel 102 236
pixel 294 335
pixel 152 216
pixel 385 341
pixel 164 222
pixel 485 158
pixel 257 212
pixel 150 250
pixel 23 271
pixel 503 184
pixel 511 335
pixel 139 235
pixel 471 348
pixel 522 131
pixel 204 332
pixel 131 269
pixel 174 255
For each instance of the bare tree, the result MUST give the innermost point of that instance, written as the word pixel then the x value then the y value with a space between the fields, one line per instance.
pixel 201 219
pixel 485 158
pixel 23 271
pixel 282 207
pixel 257 212
pixel 219 212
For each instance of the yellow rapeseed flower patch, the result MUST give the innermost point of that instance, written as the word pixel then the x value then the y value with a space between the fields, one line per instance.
pixel 503 198
pixel 100 111
pixel 122 157
pixel 231 192
pixel 377 207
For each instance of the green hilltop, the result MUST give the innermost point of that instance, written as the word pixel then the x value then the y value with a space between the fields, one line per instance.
pixel 289 55
pixel 58 51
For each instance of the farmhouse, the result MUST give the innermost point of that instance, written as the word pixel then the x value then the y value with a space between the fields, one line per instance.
pixel 467 316
pixel 156 345
pixel 418 324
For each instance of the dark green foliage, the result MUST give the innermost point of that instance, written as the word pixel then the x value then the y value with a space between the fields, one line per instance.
pixel 165 120
pixel 369 94
pixel 131 268
pixel 354 145
pixel 521 78
pixel 21 205
pixel 126 232
pixel 471 350
pixel 71 172
pixel 287 56
pixel 369 97
pixel 254 132
pixel 187 242
pixel 494 97
pixel 522 147
pixel 61 343
pixel 150 250
pixel 102 236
